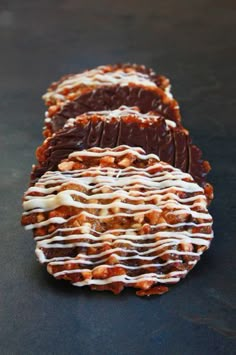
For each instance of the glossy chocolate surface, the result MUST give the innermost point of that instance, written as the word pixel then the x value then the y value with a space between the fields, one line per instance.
pixel 112 97
pixel 172 145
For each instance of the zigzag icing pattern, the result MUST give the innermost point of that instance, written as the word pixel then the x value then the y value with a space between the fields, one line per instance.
pixel 99 77
pixel 107 193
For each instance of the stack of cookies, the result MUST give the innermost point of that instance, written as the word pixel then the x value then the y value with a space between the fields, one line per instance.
pixel 119 194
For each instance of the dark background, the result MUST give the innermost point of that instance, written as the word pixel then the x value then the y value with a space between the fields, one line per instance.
pixel 193 43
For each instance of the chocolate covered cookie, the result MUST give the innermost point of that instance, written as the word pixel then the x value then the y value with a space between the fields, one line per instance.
pixel 107 88
pixel 128 126
pixel 110 218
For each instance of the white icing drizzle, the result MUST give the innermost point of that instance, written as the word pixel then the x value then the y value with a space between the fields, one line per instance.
pixel 121 112
pixel 125 245
pixel 99 77
pixel 101 152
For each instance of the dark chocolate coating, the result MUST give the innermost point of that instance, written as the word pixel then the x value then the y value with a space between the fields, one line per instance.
pixel 112 97
pixel 171 145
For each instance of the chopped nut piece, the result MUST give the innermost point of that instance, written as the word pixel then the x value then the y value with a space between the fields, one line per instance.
pixel 186 246
pixel 153 216
pixel 113 259
pixel 40 217
pixel 139 218
pixel 66 166
pixel 103 212
pixel 100 272
pixel 106 161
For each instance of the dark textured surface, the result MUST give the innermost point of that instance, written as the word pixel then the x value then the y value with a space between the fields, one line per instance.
pixel 192 42
pixel 171 145
pixel 111 98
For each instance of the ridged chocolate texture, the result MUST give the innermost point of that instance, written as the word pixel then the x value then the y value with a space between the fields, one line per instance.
pixel 172 145
pixel 112 97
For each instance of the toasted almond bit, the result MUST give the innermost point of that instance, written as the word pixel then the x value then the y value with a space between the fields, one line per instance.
pixel 115 210
pixel 105 189
pixel 69 266
pixel 107 237
pixel 134 193
pixel 103 212
pixel 87 274
pixel 144 285
pixel 93 201
pixel 174 218
pixel 82 218
pixel 108 160
pixel 157 200
pixel 136 225
pixel 161 220
pixel 71 96
pixel 51 228
pixel 125 162
pixel 52 110
pixel 139 218
pixel 76 223
pixel 64 91
pixel 186 246
pixel 40 217
pixel 91 251
pixel 86 228
pixel 153 216
pixel 66 165
pixel 145 229
pixel 113 259
pixel 201 249
pixel 80 258
pixel 140 202
pixel 100 272
pixel 130 233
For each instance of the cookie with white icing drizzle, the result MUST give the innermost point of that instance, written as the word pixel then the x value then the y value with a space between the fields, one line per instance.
pixel 128 126
pixel 116 217
pixel 107 88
